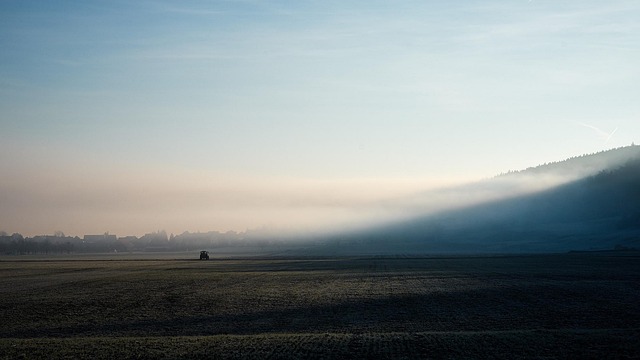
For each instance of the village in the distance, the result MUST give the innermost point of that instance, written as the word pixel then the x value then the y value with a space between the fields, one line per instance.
pixel 159 241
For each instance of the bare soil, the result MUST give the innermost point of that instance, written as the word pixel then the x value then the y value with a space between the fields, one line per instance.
pixel 583 305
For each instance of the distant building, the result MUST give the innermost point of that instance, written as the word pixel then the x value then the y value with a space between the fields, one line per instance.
pixel 99 238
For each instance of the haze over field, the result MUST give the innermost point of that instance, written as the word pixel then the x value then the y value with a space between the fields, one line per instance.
pixel 600 211
pixel 228 115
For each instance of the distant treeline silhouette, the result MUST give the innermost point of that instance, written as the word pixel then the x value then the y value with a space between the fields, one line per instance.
pixel 158 241
pixel 600 159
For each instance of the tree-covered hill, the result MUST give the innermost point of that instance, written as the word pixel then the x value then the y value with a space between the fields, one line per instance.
pixel 597 212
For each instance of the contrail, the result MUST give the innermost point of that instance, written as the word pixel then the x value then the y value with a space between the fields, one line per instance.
pixel 604 135
pixel 610 135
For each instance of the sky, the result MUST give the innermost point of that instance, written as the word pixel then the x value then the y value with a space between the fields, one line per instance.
pixel 132 117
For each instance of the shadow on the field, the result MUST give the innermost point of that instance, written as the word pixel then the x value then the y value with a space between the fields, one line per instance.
pixel 491 309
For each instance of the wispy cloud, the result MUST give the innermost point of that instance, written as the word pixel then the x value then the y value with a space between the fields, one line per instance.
pixel 562 21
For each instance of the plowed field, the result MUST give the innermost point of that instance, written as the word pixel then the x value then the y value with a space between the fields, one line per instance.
pixel 540 306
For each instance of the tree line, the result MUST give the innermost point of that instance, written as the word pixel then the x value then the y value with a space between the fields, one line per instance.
pixel 157 241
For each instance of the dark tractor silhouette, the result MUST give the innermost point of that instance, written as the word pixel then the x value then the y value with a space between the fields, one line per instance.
pixel 204 255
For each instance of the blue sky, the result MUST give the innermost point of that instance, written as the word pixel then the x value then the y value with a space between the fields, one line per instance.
pixel 233 104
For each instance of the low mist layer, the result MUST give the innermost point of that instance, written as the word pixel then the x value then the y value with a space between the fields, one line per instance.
pixel 389 216
pixel 597 212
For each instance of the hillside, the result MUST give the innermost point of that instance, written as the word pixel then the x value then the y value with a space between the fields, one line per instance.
pixel 597 212
pixel 584 165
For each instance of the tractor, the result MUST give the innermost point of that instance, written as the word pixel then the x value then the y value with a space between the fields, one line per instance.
pixel 204 255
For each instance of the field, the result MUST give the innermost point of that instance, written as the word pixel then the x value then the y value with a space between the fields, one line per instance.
pixel 582 305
